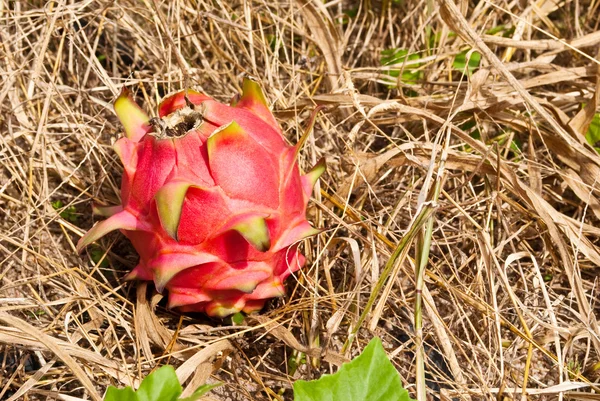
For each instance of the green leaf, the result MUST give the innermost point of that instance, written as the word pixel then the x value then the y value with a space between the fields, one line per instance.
pixel 495 30
pixel 160 385
pixel 238 319
pixel 460 62
pixel 96 255
pixel 124 394
pixel 516 146
pixel 200 391
pixel 593 133
pixel 351 13
pixel 271 40
pixel 296 359
pixel 410 73
pixel 369 377
pixel 68 213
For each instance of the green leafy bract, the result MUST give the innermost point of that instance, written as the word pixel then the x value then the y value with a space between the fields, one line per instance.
pixel 369 377
pixel 161 385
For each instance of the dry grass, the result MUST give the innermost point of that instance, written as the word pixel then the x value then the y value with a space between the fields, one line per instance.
pixel 511 297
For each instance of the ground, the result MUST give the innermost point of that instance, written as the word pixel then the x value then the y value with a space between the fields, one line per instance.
pixel 461 173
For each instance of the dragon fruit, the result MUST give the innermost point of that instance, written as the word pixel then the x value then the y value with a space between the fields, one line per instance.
pixel 212 200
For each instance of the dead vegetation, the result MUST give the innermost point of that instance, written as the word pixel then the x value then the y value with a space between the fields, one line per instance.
pixel 497 153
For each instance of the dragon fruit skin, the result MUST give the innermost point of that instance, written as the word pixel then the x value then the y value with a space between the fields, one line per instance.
pixel 212 200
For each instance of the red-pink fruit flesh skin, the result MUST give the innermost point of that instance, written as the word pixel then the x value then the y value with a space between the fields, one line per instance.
pixel 215 214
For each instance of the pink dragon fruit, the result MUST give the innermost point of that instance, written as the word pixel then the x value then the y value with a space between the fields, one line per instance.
pixel 212 200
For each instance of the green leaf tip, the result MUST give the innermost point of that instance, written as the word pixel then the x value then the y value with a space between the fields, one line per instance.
pixel 254 229
pixel 169 203
pixel 252 92
pixel 310 179
pixel 135 120
pixel 223 135
pixel 317 171
pixel 369 377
